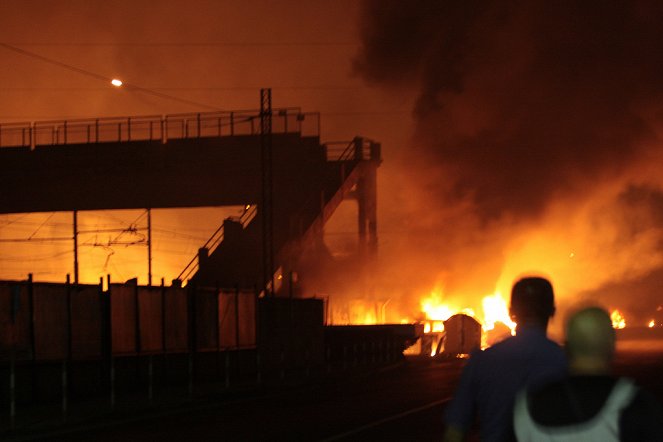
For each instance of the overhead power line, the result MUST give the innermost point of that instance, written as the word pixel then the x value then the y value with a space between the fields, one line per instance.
pixel 105 78
pixel 192 43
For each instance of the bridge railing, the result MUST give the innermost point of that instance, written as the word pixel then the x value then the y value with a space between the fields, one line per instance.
pixel 155 128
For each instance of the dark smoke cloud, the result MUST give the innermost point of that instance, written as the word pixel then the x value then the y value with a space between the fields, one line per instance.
pixel 519 103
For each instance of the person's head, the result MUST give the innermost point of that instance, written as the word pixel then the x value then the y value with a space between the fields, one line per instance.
pixel 590 341
pixel 532 301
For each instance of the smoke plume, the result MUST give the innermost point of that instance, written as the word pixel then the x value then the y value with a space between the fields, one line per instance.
pixel 533 120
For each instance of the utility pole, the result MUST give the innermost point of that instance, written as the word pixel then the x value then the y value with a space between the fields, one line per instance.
pixel 76 247
pixel 149 247
pixel 267 194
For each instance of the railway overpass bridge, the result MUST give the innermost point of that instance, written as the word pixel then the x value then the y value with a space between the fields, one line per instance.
pixel 196 160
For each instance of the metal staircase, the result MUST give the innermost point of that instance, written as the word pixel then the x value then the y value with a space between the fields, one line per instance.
pixel 347 163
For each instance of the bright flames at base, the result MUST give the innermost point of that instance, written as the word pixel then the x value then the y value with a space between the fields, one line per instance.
pixel 494 311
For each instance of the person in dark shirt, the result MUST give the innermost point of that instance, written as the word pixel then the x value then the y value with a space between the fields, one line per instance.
pixel 491 378
pixel 589 404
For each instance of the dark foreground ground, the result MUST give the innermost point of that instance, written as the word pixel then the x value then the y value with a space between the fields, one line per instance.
pixel 404 402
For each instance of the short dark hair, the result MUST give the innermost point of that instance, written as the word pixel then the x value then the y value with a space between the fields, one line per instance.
pixel 532 297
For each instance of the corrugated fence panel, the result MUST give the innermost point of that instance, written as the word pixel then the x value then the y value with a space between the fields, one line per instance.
pixel 50 321
pixel 177 322
pixel 15 320
pixel 85 322
pixel 206 326
pixel 247 319
pixel 123 318
pixel 151 320
pixel 227 320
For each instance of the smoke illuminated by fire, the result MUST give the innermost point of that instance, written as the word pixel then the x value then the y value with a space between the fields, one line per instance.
pixel 537 145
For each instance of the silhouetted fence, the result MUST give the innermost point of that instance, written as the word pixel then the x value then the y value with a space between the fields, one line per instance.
pixel 46 321
pixel 69 349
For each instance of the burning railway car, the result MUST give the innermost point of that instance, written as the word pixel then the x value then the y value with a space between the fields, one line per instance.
pixel 462 335
pixel 457 336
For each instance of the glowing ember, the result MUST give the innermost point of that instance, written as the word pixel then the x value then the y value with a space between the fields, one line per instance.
pixel 618 321
pixel 651 324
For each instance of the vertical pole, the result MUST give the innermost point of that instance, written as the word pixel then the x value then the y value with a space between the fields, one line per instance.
pixel 217 319
pixel 67 358
pixel 149 247
pixel 137 336
pixel 290 287
pixel 69 330
pixel 371 197
pixel 109 331
pixel 267 194
pixel 75 247
pixel 112 382
pixel 237 317
pixel 163 316
pixel 12 386
pixel 328 359
pixel 33 339
pixel 12 368
pixel 192 335
pixel 227 371
pixel 258 367
pixel 64 389
pixel 150 377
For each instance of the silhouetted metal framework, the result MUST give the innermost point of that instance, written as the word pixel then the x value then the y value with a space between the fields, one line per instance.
pixel 267 194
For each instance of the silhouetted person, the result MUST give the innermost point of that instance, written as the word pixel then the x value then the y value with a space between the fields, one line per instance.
pixel 589 405
pixel 492 377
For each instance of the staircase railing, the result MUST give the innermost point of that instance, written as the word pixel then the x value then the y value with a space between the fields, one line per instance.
pixel 357 149
pixel 215 239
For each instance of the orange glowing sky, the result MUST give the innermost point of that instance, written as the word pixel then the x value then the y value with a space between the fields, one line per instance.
pixel 514 141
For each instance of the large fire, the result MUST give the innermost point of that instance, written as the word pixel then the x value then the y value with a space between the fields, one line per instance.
pixel 437 310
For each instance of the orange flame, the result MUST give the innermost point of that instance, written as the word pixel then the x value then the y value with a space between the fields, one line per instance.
pixel 436 310
pixel 618 321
